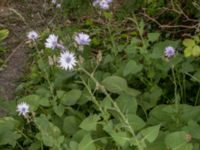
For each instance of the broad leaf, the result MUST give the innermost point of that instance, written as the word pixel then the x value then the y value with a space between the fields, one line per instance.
pixel 150 134
pixel 121 138
pixel 71 124
pixel 178 141
pixel 152 37
pixel 86 143
pixel 118 85
pixel 71 97
pixel 90 123
pixel 132 68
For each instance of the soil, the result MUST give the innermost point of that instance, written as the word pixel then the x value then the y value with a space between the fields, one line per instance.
pixel 19 18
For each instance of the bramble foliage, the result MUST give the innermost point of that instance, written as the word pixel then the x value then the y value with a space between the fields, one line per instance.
pixel 124 91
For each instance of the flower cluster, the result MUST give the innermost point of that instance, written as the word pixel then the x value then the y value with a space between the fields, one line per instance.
pixel 103 4
pixel 67 60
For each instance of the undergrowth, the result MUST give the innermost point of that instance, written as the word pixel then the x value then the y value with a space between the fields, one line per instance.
pixel 121 78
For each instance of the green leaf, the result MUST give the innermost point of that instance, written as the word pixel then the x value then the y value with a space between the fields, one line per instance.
pixel 8 135
pixel 59 109
pixel 132 68
pixel 49 134
pixel 127 104
pixel 178 141
pixel 135 121
pixel 188 43
pixel 71 125
pixel 71 97
pixel 3 34
pixel 193 128
pixel 196 51
pixel 152 37
pixel 108 15
pixel 163 114
pixel 90 123
pixel 44 102
pixel 150 133
pixel 73 145
pixel 121 138
pixel 115 84
pixel 35 146
pixel 151 97
pixel 86 143
pixel 118 85
pixel 187 51
pixel 158 144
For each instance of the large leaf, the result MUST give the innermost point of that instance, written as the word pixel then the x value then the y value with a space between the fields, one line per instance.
pixel 193 128
pixel 178 141
pixel 154 36
pixel 90 123
pixel 188 43
pixel 71 124
pixel 121 138
pixel 132 68
pixel 150 134
pixel 49 134
pixel 115 84
pixel 59 109
pixel 8 135
pixel 118 85
pixel 71 97
pixel 127 103
pixel 135 121
pixel 86 143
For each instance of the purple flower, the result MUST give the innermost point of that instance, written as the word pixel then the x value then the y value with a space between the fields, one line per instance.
pixel 82 39
pixel 169 51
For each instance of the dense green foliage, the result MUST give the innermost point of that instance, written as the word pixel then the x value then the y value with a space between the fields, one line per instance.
pixel 124 94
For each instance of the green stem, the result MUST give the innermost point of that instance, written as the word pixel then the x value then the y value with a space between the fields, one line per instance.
pixel 175 85
pixel 197 97
pixel 46 76
pixel 114 47
pixel 23 134
pixel 19 145
pixel 135 21
pixel 115 106
pixel 91 94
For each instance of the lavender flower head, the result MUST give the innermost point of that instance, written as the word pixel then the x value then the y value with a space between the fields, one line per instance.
pixel 32 35
pixel 51 41
pixel 23 108
pixel 82 39
pixel 169 51
pixel 103 4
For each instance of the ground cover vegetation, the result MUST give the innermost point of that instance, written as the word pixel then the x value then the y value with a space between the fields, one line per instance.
pixel 114 75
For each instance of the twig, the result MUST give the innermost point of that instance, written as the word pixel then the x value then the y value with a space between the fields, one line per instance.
pixel 169 26
pixel 10 55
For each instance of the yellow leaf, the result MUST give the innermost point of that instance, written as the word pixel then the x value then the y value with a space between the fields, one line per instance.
pixel 188 52
pixel 196 51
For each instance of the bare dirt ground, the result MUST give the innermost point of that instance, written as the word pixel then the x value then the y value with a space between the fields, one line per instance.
pixel 18 17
